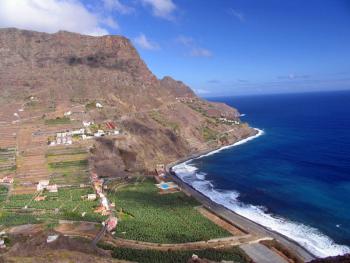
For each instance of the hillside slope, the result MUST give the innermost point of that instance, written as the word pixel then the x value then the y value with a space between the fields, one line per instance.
pixel 44 75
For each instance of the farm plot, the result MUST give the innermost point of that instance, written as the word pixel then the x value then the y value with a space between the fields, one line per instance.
pixel 68 166
pixel 147 216
pixel 154 256
pixel 66 204
pixel 7 160
pixel 8 134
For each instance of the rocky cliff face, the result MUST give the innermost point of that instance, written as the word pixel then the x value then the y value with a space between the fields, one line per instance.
pixel 162 119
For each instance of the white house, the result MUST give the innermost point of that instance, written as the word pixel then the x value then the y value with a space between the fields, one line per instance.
pixel 87 123
pixel 42 185
pixel 68 113
pixel 91 197
pixel 99 133
pixel 99 105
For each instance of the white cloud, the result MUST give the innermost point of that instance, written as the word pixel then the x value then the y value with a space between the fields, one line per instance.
pixel 161 8
pixel 52 15
pixel 143 42
pixel 118 6
pixel 186 41
pixel 237 14
pixel 194 49
pixel 200 52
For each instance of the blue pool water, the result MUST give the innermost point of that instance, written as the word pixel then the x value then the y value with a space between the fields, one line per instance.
pixel 295 178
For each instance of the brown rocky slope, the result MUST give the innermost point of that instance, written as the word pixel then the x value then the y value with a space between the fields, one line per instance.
pixel 162 120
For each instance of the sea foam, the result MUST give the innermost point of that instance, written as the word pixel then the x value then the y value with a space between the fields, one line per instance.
pixel 308 237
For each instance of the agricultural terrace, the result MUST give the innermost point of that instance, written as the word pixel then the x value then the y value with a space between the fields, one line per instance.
pixel 68 165
pixel 154 256
pixel 145 215
pixel 65 204
pixel 7 160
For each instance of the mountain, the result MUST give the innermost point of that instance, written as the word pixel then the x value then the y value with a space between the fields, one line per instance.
pixel 44 75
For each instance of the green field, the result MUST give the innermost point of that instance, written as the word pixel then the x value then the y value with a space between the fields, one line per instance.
pixel 7 160
pixel 58 120
pixel 67 203
pixel 68 166
pixel 171 218
pixel 3 193
pixel 154 256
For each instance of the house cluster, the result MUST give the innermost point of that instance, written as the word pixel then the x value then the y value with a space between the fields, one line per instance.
pixel 62 138
pixel 6 180
pixel 104 208
pixel 45 185
pixel 185 99
pixel 229 121
pixel 89 131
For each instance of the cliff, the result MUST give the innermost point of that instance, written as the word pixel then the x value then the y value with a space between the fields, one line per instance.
pixel 162 120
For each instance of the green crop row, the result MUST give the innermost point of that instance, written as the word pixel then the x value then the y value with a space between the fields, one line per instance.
pixel 161 218
pixel 155 256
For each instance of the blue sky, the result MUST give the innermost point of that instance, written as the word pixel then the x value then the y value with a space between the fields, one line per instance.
pixel 218 47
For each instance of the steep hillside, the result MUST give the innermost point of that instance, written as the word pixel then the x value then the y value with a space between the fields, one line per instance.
pixel 44 75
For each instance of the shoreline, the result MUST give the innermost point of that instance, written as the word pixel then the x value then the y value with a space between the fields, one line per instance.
pixel 221 211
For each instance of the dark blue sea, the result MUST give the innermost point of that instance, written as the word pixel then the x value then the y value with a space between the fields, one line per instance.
pixel 295 177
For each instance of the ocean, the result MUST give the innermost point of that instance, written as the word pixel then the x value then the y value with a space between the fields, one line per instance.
pixel 294 176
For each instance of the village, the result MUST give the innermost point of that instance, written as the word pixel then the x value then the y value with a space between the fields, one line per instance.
pixel 46 179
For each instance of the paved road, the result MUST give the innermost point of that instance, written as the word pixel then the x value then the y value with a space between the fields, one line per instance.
pixel 261 254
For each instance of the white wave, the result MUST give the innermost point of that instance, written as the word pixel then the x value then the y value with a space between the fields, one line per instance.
pixel 201 176
pixel 242 115
pixel 259 133
pixel 310 238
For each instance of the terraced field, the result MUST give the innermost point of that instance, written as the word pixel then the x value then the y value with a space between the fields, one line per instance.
pixel 7 161
pixel 66 204
pixel 68 165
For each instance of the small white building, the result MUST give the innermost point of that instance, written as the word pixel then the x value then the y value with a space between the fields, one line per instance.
pixel 99 133
pixel 87 123
pixel 42 185
pixel 91 197
pixel 68 113
pixel 99 105
pixel 52 188
pixel 78 132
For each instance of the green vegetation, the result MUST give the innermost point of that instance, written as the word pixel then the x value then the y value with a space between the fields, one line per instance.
pixel 68 166
pixel 158 117
pixel 91 105
pixel 158 218
pixel 209 134
pixel 155 256
pixel 14 219
pixel 66 204
pixel 3 193
pixel 7 160
pixel 58 120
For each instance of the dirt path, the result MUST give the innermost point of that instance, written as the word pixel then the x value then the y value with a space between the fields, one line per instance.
pixel 220 222
pixel 89 231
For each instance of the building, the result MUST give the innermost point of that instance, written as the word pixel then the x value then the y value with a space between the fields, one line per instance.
pixel 99 133
pixel 40 198
pixel 7 180
pixel 91 197
pixel 42 185
pixel 52 188
pixel 111 223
